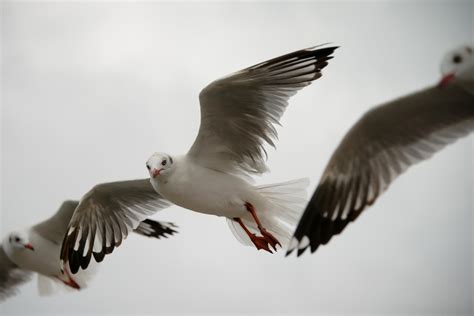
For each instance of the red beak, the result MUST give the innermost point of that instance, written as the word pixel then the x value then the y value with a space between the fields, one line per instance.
pixel 445 80
pixel 29 246
pixel 156 172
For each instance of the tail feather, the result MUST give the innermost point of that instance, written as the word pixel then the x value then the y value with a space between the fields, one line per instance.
pixel 285 202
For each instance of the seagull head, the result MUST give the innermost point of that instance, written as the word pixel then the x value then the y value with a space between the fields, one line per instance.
pixel 455 63
pixel 18 241
pixel 159 164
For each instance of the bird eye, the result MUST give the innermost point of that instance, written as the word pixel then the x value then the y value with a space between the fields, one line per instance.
pixel 457 59
pixel 148 166
pixel 17 239
pixel 163 163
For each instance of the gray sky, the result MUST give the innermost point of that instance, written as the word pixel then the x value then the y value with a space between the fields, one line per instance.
pixel 89 91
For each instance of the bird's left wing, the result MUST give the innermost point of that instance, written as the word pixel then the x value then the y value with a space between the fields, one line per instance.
pixel 54 228
pixel 11 276
pixel 238 112
pixel 104 217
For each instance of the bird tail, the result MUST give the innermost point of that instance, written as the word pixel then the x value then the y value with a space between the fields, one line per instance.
pixel 285 204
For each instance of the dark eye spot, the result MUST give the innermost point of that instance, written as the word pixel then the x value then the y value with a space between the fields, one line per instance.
pixel 457 59
pixel 17 239
pixel 163 163
pixel 148 166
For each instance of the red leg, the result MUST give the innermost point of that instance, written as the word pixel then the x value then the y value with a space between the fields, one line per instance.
pixel 259 242
pixel 270 238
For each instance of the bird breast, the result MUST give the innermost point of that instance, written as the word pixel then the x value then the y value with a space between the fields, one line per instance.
pixel 205 190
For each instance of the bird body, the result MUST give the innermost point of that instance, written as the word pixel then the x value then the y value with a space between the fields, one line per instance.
pixel 207 191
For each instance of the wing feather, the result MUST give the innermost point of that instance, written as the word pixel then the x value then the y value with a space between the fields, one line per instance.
pixel 104 218
pixel 54 228
pixel 238 112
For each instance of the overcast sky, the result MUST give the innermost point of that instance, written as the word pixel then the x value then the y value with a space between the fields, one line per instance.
pixel 90 91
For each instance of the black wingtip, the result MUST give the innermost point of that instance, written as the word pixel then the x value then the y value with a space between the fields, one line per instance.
pixel 301 251
pixel 156 229
pixel 74 261
pixel 99 256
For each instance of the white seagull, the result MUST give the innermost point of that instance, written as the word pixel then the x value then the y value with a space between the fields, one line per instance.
pixel 238 116
pixel 384 143
pixel 37 248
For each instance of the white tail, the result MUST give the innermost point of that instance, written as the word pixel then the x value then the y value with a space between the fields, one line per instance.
pixel 285 203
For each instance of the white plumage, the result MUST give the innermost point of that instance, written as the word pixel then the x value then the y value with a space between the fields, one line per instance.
pixel 238 114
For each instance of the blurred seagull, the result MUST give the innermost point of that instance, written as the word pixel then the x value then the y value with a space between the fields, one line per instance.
pixel 37 250
pixel 238 114
pixel 383 144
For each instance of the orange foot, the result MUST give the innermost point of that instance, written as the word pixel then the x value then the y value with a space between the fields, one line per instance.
pixel 270 238
pixel 260 242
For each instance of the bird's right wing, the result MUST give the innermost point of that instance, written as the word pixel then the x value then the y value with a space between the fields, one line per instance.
pixel 104 217
pixel 11 276
pixel 380 146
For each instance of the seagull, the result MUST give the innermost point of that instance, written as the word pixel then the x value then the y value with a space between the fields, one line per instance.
pixel 238 114
pixel 384 143
pixel 37 250
pixel 238 117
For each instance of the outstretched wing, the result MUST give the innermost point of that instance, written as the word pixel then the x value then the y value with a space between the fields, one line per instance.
pixel 380 146
pixel 104 217
pixel 11 276
pixel 238 112
pixel 54 228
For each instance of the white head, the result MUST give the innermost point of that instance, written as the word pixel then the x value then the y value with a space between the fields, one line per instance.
pixel 17 241
pixel 456 62
pixel 160 164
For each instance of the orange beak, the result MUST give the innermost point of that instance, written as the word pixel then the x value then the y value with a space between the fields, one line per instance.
pixel 29 246
pixel 445 80
pixel 156 172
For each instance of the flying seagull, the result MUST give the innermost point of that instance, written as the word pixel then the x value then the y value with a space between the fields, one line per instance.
pixel 238 116
pixel 385 142
pixel 37 250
